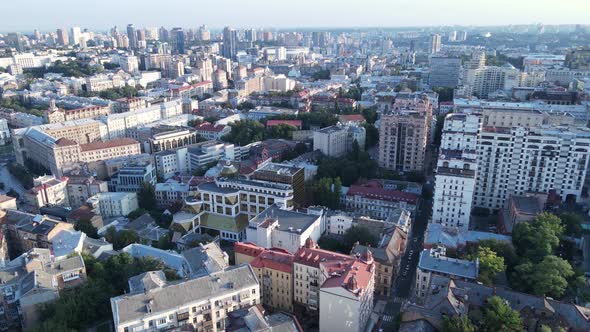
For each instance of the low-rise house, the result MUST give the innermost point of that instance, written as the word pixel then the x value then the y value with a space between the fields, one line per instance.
pixel 288 230
pixel 376 201
pixel 255 319
pixel 451 297
pixel 201 304
pixel 521 208
pixel 48 190
pixel 435 262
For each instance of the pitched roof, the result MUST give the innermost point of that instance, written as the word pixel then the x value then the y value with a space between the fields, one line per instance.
pixel 107 144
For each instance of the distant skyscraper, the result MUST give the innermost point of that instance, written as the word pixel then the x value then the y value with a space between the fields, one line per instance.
pixel 177 36
pixel 462 36
pixel 204 33
pixel 14 39
pixel 62 37
pixel 435 44
pixel 132 35
pixel 453 36
pixel 76 35
pixel 164 35
pixel 250 35
pixel 37 34
pixel 230 41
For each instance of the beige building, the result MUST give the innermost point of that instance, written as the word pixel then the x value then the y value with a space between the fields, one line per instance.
pixel 404 133
pixel 55 115
pixel 200 304
pixel 274 268
pixel 48 190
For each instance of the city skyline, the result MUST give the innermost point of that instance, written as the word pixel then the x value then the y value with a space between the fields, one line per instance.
pixel 327 14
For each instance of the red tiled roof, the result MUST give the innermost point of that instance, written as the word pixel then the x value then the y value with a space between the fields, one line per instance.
pixel 107 144
pixel 352 117
pixel 196 85
pixel 294 123
pixel 247 248
pixel 382 194
pixel 274 260
pixel 65 142
pixel 354 277
pixel 206 126
pixel 315 256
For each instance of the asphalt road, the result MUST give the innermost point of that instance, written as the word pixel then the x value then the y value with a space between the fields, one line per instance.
pixel 9 180
pixel 403 282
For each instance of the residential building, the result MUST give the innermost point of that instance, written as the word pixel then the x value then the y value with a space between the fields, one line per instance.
pixel 309 276
pixel 288 230
pixel 48 190
pixel 55 115
pixel 435 44
pixel 212 131
pixel 513 161
pixel 202 303
pixel 376 201
pixel 4 132
pixel 111 204
pixel 189 158
pixel 81 186
pixel 435 262
pixel 274 268
pixel 447 296
pixel 346 295
pixel 449 237
pixel 26 231
pixel 255 319
pixel 521 208
pixel 404 133
pixel 387 256
pixel 123 105
pixel 336 141
pixel 33 279
pixel 456 171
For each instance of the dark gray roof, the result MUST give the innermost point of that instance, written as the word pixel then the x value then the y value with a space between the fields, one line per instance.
pixel 146 281
pixel 133 306
pixel 287 219
pixel 205 259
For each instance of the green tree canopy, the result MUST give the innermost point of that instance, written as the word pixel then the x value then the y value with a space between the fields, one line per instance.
pixel 548 277
pixel 538 238
pixel 85 226
pixel 457 324
pixel 146 197
pixel 498 316
pixel 490 264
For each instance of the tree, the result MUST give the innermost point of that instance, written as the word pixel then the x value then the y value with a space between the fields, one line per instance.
pixel 457 324
pixel 165 242
pixel 85 226
pixel 536 239
pixel 359 234
pixel 370 114
pixel 572 224
pixel 440 123
pixel 146 197
pixel 498 316
pixel 245 132
pixel 489 264
pixel 121 239
pixel 326 192
pixel 548 277
pixel 372 135
pixel 136 213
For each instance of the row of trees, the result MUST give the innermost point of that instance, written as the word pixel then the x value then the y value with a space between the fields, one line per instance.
pixel 22 107
pixel 68 69
pixel 495 316
pixel 82 307
pixel 533 263
pixel 351 236
pixel 126 91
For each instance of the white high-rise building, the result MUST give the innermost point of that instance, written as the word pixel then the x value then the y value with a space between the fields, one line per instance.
pixel 76 36
pixel 456 171
pixel 514 161
pixel 435 44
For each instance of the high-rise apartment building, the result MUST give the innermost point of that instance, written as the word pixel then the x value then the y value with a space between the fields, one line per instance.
pixel 62 37
pixel 517 160
pixel 404 133
pixel 177 38
pixel 435 44
pixel 456 171
pixel 132 35
pixel 230 41
pixel 76 36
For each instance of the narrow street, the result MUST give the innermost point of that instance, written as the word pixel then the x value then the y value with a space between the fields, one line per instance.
pixel 403 281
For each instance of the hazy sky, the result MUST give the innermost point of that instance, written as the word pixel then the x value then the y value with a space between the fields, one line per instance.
pixel 46 15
